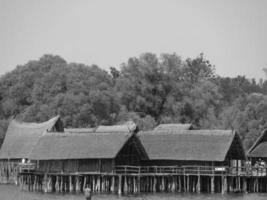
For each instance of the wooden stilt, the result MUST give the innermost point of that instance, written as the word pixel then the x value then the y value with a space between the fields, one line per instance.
pixel 125 187
pixel 45 183
pixel 70 184
pixel 61 184
pixel 98 184
pixel 188 184
pixel 224 184
pixel 119 185
pixel 134 185
pixel 154 184
pixel 93 183
pixel 198 184
pixel 138 184
pixel 163 184
pixel 84 182
pixel 257 184
pixel 65 184
pixel 112 188
pixel 174 183
pixel 184 183
pixel 244 185
pixel 77 184
pixel 21 183
pixel 179 184
pixel 212 184
pixel 57 184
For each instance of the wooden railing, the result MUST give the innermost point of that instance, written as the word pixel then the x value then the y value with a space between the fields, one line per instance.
pixel 26 166
pixel 192 170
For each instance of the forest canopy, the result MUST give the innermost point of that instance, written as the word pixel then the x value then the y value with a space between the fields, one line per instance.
pixel 148 89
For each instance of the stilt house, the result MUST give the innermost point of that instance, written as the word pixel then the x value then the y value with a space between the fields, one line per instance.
pixel 192 147
pixel 19 141
pixel 259 148
pixel 80 152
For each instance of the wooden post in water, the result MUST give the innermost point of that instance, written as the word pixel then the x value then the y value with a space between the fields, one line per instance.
pixel 161 183
pixel 125 187
pixel 102 183
pixel 70 184
pixel 119 185
pixel 28 182
pixel 173 184
pixel 188 184
pixel 244 185
pixel 78 184
pixel 257 184
pixel 45 183
pixel 198 184
pixel 138 183
pixel 179 184
pixel 134 185
pixel 61 184
pixel 98 183
pixel 224 184
pixel 212 184
pixel 57 186
pixel 231 183
pixel 49 184
pixel 93 183
pixel 65 183
pixel 112 188
pixel 154 184
pixel 184 183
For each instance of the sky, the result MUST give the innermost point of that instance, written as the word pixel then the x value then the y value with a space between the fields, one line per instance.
pixel 232 34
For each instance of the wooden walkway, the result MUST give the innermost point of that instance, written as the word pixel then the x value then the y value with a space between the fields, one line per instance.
pixel 164 170
pixel 136 179
pixel 190 170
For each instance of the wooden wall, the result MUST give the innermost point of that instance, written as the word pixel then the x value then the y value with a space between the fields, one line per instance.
pixel 130 154
pixel 82 165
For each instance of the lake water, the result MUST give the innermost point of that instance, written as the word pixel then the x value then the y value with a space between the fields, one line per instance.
pixel 11 192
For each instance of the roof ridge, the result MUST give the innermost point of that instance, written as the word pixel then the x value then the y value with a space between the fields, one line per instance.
pixel 201 131
pixel 34 124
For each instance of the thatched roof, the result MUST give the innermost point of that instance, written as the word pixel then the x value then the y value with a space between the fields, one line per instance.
pixel 21 137
pixel 193 145
pixel 55 146
pixel 172 127
pixel 259 148
pixel 79 130
pixel 127 127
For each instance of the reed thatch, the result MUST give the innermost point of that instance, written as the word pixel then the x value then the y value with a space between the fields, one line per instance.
pixel 172 127
pixel 79 130
pixel 259 148
pixel 21 137
pixel 127 127
pixel 57 146
pixel 192 145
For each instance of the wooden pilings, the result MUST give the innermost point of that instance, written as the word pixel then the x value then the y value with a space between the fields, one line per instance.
pixel 134 184
pixel 9 172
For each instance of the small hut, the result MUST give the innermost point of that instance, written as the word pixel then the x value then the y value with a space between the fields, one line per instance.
pixel 259 149
pixel 19 141
pixel 192 147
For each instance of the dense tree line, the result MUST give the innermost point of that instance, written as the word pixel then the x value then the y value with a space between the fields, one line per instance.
pixel 149 89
